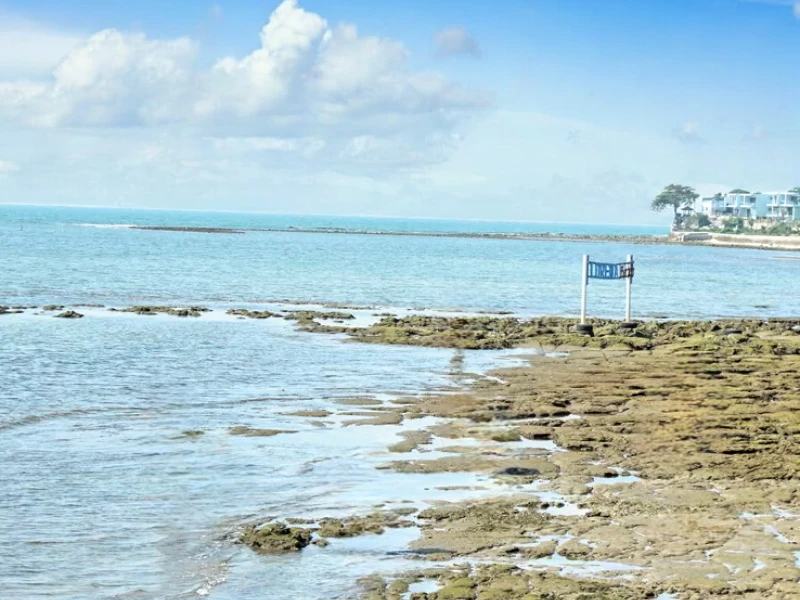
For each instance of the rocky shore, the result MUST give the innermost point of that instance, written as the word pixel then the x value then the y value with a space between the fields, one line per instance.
pixel 187 229
pixel 758 242
pixel 661 460
pixel 649 460
pixel 546 236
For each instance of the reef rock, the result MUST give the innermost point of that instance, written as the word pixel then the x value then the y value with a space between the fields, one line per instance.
pixel 276 538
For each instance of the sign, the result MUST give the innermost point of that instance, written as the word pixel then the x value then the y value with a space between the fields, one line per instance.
pixel 610 270
pixel 598 270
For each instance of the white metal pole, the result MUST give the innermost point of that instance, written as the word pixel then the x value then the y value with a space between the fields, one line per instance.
pixel 584 285
pixel 628 293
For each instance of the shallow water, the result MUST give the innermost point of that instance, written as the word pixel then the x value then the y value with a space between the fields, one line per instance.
pixel 103 497
pixel 50 258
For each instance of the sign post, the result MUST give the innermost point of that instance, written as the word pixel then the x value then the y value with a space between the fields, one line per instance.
pixel 584 287
pixel 596 270
pixel 628 281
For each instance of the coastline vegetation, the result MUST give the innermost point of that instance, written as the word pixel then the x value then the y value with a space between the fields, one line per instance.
pixel 681 199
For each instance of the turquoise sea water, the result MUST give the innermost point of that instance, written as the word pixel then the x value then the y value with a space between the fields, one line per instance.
pixel 101 495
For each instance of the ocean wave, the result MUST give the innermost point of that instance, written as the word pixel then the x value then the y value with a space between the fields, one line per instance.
pixel 108 225
pixel 60 414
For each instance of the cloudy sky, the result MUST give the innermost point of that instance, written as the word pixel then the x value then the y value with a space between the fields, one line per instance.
pixel 540 110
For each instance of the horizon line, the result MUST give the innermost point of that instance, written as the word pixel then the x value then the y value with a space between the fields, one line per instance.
pixel 359 216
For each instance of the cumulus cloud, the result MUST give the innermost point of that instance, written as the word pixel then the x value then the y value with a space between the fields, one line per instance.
pixel 688 133
pixel 305 73
pixel 453 41
pixel 7 167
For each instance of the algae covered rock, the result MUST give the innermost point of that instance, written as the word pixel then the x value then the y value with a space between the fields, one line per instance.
pixel 252 314
pixel 276 538
pixel 252 432
pixel 375 523
pixel 313 315
pixel 70 314
pixel 189 311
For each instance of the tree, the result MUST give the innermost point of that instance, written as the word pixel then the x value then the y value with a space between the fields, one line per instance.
pixel 676 197
pixel 738 191
pixel 703 220
pixel 795 190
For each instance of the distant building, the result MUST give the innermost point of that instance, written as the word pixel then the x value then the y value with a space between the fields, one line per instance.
pixel 784 206
pixel 745 206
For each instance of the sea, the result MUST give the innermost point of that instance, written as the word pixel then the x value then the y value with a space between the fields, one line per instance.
pixel 119 476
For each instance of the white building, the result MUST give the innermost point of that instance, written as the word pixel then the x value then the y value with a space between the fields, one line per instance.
pixel 745 206
pixel 784 206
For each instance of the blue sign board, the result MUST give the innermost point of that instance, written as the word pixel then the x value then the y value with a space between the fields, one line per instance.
pixel 610 270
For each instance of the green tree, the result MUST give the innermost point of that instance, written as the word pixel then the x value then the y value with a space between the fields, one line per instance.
pixel 703 220
pixel 738 191
pixel 732 224
pixel 795 190
pixel 676 197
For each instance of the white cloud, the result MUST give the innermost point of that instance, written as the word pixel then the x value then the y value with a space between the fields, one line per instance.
pixel 688 133
pixel 797 10
pixel 7 167
pixel 245 145
pixel 31 49
pixel 455 40
pixel 305 74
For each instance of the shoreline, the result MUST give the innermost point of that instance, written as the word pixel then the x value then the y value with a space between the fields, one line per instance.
pixel 660 459
pixel 597 500
pixel 716 240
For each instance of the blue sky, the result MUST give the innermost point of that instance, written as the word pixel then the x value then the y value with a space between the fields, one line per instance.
pixel 534 110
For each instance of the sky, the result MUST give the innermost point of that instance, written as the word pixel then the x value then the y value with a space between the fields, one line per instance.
pixel 536 110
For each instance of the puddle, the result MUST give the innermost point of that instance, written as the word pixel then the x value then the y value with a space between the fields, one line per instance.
pixel 391 541
pixel 770 529
pixel 440 443
pixel 427 586
pixel 784 514
pixel 622 480
pixel 578 567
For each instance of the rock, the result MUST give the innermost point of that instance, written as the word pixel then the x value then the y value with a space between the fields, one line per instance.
pixel 251 432
pixel 251 314
pixel 518 472
pixel 188 229
pixel 189 311
pixel 70 314
pixel 191 434
pixel 52 307
pixel 511 435
pixel 276 538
